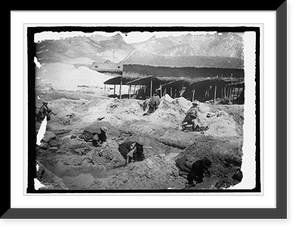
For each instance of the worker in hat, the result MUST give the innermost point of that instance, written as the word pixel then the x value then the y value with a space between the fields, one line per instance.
pixel 198 169
pixel 99 138
pixel 43 112
pixel 132 151
pixel 190 121
pixel 153 103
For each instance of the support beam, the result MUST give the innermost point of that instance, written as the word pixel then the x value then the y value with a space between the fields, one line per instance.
pixel 129 91
pixel 120 92
pixel 160 87
pixel 151 87
pixel 215 95
pixel 193 95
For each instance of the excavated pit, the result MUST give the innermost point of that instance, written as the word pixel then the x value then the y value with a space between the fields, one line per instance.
pixel 67 161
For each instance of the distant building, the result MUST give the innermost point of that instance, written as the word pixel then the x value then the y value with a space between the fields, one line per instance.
pixel 140 63
pixel 194 77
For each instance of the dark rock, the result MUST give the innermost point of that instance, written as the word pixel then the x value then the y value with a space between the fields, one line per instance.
pixel 238 175
pixel 86 136
pixel 73 137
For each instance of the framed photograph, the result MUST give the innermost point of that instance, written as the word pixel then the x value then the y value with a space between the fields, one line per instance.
pixel 158 119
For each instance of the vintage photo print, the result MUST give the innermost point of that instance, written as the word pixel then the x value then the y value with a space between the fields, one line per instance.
pixel 143 109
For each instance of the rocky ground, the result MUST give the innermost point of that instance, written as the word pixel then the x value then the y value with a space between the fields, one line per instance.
pixel 66 161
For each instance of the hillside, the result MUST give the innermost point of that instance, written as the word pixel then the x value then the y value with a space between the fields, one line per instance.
pixel 218 44
pixel 83 50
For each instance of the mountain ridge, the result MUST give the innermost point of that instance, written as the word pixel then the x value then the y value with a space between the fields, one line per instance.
pixel 100 48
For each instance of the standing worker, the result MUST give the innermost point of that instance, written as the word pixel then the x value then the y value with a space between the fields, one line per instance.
pixel 43 112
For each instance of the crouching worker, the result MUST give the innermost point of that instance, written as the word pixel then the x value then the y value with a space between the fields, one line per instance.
pixel 153 104
pixel 99 138
pixel 190 121
pixel 193 171
pixel 131 151
pixel 198 170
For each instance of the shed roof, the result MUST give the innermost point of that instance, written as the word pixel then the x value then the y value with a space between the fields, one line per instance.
pixel 146 80
pixel 117 80
pixel 150 59
pixel 228 80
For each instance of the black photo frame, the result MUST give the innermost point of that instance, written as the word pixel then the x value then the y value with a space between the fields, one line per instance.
pixel 279 212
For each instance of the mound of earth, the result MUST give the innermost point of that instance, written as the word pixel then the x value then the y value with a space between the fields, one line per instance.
pixel 157 172
pixel 74 163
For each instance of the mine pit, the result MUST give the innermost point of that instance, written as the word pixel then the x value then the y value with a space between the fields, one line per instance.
pixel 70 160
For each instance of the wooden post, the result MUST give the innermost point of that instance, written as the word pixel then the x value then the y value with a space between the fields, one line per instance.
pixel 215 95
pixel 193 94
pixel 114 90
pixel 120 92
pixel 160 87
pixel 221 93
pixel 238 92
pixel 129 92
pixel 104 87
pixel 151 87
pixel 171 91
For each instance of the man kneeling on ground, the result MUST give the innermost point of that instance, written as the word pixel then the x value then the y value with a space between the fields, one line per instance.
pixel 131 151
pixel 193 171
pixel 99 138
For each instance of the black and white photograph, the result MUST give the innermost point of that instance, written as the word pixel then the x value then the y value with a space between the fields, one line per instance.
pixel 148 114
pixel 133 109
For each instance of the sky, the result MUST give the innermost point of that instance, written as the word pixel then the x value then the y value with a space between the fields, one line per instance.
pixel 131 37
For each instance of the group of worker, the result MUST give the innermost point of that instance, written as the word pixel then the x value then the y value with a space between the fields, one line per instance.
pixel 189 123
pixel 194 172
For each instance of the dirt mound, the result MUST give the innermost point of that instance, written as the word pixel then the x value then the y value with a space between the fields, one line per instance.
pixel 77 164
pixel 49 180
pixel 156 172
